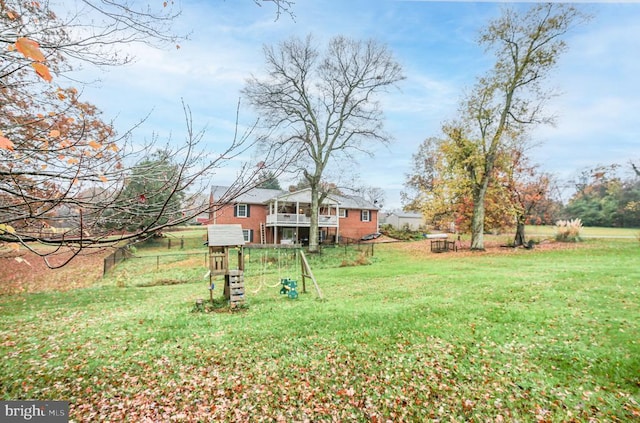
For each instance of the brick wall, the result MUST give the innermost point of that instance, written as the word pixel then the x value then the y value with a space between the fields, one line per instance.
pixel 257 215
pixel 353 227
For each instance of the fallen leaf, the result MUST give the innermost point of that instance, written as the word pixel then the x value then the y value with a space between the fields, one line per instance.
pixel 21 260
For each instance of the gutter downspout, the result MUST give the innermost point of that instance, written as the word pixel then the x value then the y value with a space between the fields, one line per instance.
pixel 337 224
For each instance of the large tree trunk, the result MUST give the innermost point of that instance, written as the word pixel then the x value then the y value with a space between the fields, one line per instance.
pixel 477 226
pixel 477 220
pixel 313 229
pixel 519 239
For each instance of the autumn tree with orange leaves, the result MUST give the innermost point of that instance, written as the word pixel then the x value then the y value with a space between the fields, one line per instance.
pixel 63 167
pixel 438 187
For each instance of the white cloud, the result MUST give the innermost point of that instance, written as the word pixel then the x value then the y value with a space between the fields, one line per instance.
pixel 599 76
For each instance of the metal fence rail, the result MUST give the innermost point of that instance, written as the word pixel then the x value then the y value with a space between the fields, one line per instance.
pixel 113 259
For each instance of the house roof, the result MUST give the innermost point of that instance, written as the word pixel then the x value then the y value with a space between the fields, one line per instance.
pixel 354 202
pixel 304 195
pixel 406 215
pixel 253 196
pixel 264 196
pixel 224 235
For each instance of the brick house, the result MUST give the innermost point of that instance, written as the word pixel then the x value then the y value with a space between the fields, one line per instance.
pixel 271 216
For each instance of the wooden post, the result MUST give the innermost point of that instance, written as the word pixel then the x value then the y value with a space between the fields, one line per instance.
pixel 307 272
pixel 240 258
pixel 227 289
pixel 302 272
pixel 225 259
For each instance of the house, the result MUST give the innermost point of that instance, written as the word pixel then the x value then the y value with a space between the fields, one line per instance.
pixel 271 216
pixel 402 219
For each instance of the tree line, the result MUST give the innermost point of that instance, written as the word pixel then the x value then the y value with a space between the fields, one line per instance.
pixel 606 196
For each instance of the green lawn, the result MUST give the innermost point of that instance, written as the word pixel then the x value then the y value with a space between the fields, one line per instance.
pixel 518 336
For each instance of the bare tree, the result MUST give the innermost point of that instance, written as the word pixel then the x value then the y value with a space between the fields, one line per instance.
pixel 63 169
pixel 374 195
pixel 420 180
pixel 282 6
pixel 321 104
pixel 74 207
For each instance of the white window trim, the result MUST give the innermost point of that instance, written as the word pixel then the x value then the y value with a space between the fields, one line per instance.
pixel 245 208
pixel 342 213
pixel 246 234
pixel 368 213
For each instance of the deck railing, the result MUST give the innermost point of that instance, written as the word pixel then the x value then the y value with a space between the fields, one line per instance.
pixel 293 219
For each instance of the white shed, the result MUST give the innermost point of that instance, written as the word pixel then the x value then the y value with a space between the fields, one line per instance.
pixel 399 219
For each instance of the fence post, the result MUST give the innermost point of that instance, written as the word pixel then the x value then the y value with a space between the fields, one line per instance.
pixel 157 262
pixel 182 242
pixel 169 244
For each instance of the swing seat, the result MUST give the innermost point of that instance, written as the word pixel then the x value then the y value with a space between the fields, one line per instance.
pixel 289 288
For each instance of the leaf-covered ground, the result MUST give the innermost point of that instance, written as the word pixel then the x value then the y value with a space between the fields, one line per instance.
pixel 25 272
pixel 548 336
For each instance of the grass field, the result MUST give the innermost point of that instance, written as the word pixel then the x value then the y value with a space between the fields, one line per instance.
pixel 546 335
pixel 586 232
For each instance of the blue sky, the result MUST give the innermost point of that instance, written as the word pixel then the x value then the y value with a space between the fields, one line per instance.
pixel 598 77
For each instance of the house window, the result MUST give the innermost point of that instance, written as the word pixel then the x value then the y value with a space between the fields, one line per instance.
pixel 364 216
pixel 248 235
pixel 343 213
pixel 241 210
